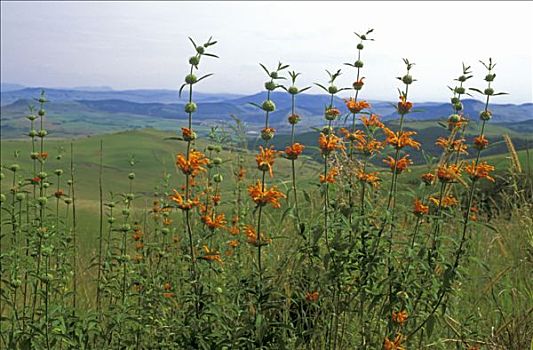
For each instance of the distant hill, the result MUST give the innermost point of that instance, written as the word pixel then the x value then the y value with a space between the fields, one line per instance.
pixel 6 87
pixel 81 112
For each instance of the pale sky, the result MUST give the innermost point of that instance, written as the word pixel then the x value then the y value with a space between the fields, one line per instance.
pixel 130 45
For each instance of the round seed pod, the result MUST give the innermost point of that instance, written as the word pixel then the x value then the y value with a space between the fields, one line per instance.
pixel 68 200
pixel 20 196
pixel 490 77
pixel 270 85
pixel 200 50
pixel 358 64
pixel 41 112
pixel 274 75
pixel 407 79
pixel 218 148
pixel 190 107
pixel 268 106
pixel 485 115
pixel 489 91
pixel 218 178
pixel 2 198
pixel 14 167
pixel 455 100
pixel 458 106
pixel 42 175
pixel 454 118
pixel 58 172
pixel 194 60
pixel 32 133
pixel 42 133
pixel 42 201
pixel 191 79
pixel 130 196
pixel 333 89
pixel 217 161
pixel 459 90
pixel 360 46
pixel 131 176
pixel 293 90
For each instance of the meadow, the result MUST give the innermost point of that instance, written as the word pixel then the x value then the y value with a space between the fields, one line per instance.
pixel 206 238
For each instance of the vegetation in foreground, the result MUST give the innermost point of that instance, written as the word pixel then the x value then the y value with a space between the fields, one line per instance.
pixel 226 257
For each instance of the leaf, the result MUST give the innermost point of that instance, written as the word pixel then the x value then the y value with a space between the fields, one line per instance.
pixel 205 76
pixel 265 69
pixel 322 87
pixel 476 90
pixel 304 89
pixel 193 43
pixel 181 89
pixel 211 55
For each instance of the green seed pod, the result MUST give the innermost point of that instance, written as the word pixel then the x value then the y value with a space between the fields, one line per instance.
pixel 209 165
pixel 32 133
pixel 41 112
pixel 131 176
pixel 31 117
pixel 58 157
pixel 218 148
pixel 191 79
pixel 454 118
pixel 69 182
pixel 407 79
pixel 130 196
pixel 217 161
pixel 268 106
pixel 46 184
pixel 111 204
pixel 125 227
pixel 42 201
pixel 270 86
pixel 67 200
pixel 200 50
pixel 358 64
pixel 455 100
pixel 274 75
pixel 490 77
pixel 333 89
pixel 459 90
pixel 218 178
pixel 485 115
pixel 42 133
pixel 14 167
pixel 327 130
pixel 293 90
pixel 42 175
pixel 165 231
pixel 111 220
pixel 126 212
pixel 2 176
pixel 58 172
pixel 458 106
pixel 190 136
pixel 194 60
pixel 20 196
pixel 294 119
pixel 489 91
pixel 42 99
pixel 360 46
pixel 363 37
pixel 210 148
pixel 190 107
pixel 2 198
pixel 462 78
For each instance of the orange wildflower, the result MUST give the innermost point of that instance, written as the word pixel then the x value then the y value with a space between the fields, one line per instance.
pixel 369 178
pixel 188 134
pixel 264 196
pixel 312 297
pixel 139 245
pixel 59 193
pixel 399 317
pixel 265 159
pixel 447 201
pixel 357 135
pixel 480 171
pixel 216 199
pixel 372 122
pixel 358 84
pixel 428 178
pixel 215 222
pixel 329 143
pixel 211 255
pixel 241 174
pixel 448 173
pixel 473 213
pixel 195 163
pixel 419 209
pixel 400 165
pixel 481 142
pixel 233 243
pixel 43 155
pixel 368 146
pixel 332 112
pixel 395 344
pixel 457 122
pixel 404 106
pixel 452 146
pixel 330 176
pixel 400 139
pixel 294 150
pixel 356 106
pixel 182 203
pixel 167 221
pixel 251 234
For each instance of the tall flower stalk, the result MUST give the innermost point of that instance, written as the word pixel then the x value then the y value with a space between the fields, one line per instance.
pixel 192 162
pixel 295 149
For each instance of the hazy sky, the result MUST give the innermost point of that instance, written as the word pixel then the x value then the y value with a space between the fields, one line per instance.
pixel 128 45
